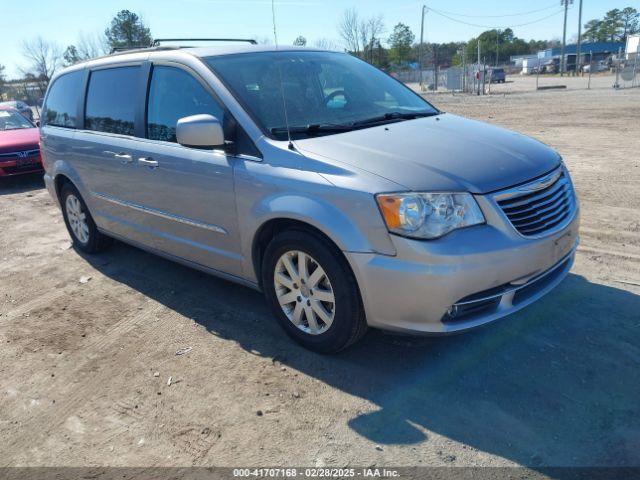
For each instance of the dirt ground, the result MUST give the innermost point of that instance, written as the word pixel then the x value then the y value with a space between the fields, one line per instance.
pixel 554 385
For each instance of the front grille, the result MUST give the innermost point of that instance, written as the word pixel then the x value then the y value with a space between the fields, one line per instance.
pixel 14 155
pixel 26 161
pixel 541 206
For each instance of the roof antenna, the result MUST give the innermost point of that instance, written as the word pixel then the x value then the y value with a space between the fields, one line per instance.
pixel 284 101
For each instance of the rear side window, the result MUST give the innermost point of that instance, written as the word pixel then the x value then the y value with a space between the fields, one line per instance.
pixel 175 94
pixel 62 101
pixel 111 100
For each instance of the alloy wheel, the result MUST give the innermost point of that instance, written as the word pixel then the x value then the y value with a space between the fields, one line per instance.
pixel 77 219
pixel 304 292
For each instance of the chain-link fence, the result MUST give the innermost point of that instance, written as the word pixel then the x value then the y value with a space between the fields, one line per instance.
pixel 453 79
pixel 628 73
pixel 468 78
pixel 429 78
pixel 599 74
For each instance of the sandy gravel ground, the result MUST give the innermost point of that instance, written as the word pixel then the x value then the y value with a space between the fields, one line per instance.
pixel 84 367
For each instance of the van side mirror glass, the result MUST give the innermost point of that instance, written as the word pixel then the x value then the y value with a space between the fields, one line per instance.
pixel 204 131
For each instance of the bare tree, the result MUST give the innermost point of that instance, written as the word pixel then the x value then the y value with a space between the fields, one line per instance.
pixel 92 45
pixel 44 59
pixel 360 35
pixel 349 30
pixel 371 31
pixel 88 47
pixel 326 44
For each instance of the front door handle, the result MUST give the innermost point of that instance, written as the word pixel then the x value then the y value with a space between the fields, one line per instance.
pixel 148 162
pixel 123 157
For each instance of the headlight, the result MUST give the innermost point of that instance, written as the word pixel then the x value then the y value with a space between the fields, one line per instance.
pixel 428 215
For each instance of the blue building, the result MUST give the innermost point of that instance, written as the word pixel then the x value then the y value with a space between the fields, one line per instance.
pixel 600 51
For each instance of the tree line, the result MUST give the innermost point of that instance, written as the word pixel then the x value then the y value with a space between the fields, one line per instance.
pixel 614 27
pixel 365 38
pixel 44 58
pixel 362 36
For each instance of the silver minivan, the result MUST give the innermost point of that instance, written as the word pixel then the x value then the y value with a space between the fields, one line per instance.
pixel 344 196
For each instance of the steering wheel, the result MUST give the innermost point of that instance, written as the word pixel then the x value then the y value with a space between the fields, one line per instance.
pixel 336 93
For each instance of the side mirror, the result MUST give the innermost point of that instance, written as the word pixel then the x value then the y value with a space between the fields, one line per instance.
pixel 202 130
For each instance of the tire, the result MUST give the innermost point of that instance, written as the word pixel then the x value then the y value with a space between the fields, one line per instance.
pixel 87 237
pixel 347 323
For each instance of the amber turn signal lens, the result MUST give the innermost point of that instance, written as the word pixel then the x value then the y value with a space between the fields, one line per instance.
pixel 390 208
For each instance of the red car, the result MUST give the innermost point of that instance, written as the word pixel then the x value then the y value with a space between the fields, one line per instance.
pixel 19 144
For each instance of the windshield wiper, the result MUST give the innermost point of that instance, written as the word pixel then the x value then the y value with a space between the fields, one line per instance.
pixel 318 128
pixel 313 128
pixel 393 116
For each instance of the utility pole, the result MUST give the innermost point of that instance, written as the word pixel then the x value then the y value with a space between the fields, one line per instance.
pixel 435 66
pixel 578 55
pixel 563 63
pixel 590 68
pixel 424 10
pixel 478 72
pixel 617 84
pixel 464 69
pixel 497 45
pixel 484 77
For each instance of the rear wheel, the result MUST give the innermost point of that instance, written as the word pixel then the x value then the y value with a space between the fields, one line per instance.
pixel 82 229
pixel 312 291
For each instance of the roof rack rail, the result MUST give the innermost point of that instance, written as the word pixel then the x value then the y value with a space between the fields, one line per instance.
pixel 125 49
pixel 156 41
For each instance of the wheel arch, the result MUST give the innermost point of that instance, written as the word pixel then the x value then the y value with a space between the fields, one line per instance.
pixel 62 172
pixel 59 182
pixel 275 214
pixel 275 226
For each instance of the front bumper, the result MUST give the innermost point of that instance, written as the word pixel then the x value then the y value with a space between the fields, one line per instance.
pixel 12 167
pixel 465 279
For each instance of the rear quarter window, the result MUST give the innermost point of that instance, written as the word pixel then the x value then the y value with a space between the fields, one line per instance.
pixel 112 100
pixel 60 109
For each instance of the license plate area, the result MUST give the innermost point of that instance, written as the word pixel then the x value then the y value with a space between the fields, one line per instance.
pixel 563 245
pixel 26 162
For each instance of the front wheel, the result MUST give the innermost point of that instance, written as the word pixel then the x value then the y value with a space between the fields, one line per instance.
pixel 82 229
pixel 312 291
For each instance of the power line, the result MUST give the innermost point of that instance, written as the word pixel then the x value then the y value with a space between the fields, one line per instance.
pixel 500 16
pixel 437 12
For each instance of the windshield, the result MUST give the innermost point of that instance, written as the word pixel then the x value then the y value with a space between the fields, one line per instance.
pixel 12 121
pixel 324 92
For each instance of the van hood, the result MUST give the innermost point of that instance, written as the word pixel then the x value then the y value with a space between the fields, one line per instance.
pixel 441 153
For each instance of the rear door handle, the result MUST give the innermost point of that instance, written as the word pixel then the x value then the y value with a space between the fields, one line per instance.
pixel 123 157
pixel 148 162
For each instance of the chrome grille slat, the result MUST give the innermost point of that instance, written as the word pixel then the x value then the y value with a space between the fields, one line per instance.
pixel 532 198
pixel 29 153
pixel 546 226
pixel 541 206
pixel 557 197
pixel 542 222
pixel 540 213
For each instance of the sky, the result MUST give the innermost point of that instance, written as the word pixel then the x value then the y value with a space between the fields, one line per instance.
pixel 63 21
